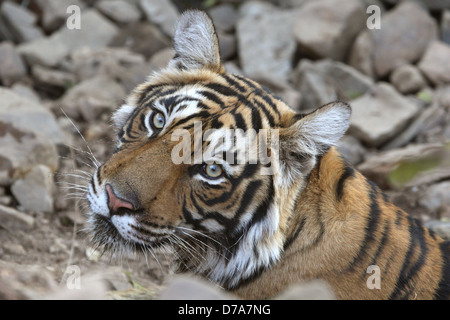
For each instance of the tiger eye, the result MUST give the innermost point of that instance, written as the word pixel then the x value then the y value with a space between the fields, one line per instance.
pixel 158 120
pixel 213 170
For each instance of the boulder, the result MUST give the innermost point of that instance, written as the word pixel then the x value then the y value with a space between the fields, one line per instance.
pixel 403 37
pixel 266 46
pixel 34 191
pixel 380 114
pixel 407 79
pixel 90 98
pixel 54 12
pixel 95 32
pixel 21 22
pixel 12 67
pixel 435 63
pixel 327 28
pixel 163 13
pixel 119 11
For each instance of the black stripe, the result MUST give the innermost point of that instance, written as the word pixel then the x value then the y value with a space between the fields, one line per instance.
pixel 409 268
pixel 443 291
pixel 347 173
pixel 239 120
pixel 373 219
pixel 294 236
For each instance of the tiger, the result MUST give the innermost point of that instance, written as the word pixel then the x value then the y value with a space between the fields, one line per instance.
pixel 252 228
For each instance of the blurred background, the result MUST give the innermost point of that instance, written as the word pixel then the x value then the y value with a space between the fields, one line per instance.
pixel 65 65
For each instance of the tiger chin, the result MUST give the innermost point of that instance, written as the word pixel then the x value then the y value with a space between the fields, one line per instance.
pixel 252 233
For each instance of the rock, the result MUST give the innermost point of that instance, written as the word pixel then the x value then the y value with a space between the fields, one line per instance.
pixel 52 77
pixel 436 198
pixel 96 32
pixel 21 150
pixel 413 165
pixel 445 27
pixel 407 79
pixel 185 287
pixel 266 47
pixel 324 32
pixel 162 13
pixel 115 63
pixel 348 81
pixel 435 63
pixel 119 11
pixel 380 114
pixel 404 36
pixel 54 12
pixel 312 290
pixel 141 37
pixel 224 16
pixel 361 54
pixel 12 219
pixel 91 97
pixel 12 67
pixel 14 249
pixel 161 58
pixel 351 149
pixel 25 91
pixel 227 45
pixel 441 228
pixel 315 88
pixel 35 190
pixel 21 22
pixel 26 116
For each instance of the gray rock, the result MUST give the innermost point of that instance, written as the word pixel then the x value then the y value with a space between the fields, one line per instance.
pixel 141 37
pixel 361 54
pixel 348 81
pixel 91 97
pixel 413 165
pixel 162 13
pixel 380 114
pixel 351 149
pixel 435 63
pixel 35 190
pixel 12 67
pixel 436 197
pixel 430 4
pixel 25 91
pixel 266 46
pixel 119 11
pixel 12 219
pixel 96 32
pixel 315 88
pixel 322 31
pixel 20 21
pixel 28 116
pixel 224 16
pixel 21 150
pixel 54 12
pixel 52 77
pixel 227 45
pixel 407 79
pixel 404 36
pixel 445 27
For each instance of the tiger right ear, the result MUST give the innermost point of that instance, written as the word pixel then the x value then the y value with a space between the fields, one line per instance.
pixel 195 42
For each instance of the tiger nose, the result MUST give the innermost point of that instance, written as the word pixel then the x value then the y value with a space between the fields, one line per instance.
pixel 115 203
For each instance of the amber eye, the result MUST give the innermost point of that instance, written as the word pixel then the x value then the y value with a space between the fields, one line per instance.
pixel 158 120
pixel 212 170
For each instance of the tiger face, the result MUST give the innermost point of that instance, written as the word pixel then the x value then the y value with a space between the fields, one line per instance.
pixel 224 219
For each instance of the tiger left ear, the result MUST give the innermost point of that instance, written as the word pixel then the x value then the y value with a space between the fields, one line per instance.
pixel 195 42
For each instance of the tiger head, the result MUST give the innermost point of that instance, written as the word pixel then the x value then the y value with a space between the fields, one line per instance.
pixel 225 219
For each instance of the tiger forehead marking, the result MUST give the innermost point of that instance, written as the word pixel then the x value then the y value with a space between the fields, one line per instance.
pixel 251 230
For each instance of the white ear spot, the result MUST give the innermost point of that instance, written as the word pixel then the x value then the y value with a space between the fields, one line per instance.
pixel 195 42
pixel 121 116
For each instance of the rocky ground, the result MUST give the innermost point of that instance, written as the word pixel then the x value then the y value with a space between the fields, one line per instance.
pixel 59 84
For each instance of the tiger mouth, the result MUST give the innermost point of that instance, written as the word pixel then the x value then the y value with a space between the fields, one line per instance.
pixel 136 238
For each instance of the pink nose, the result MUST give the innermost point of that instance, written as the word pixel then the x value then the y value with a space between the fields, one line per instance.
pixel 115 203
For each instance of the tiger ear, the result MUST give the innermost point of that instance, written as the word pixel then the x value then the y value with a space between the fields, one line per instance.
pixel 312 136
pixel 195 42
